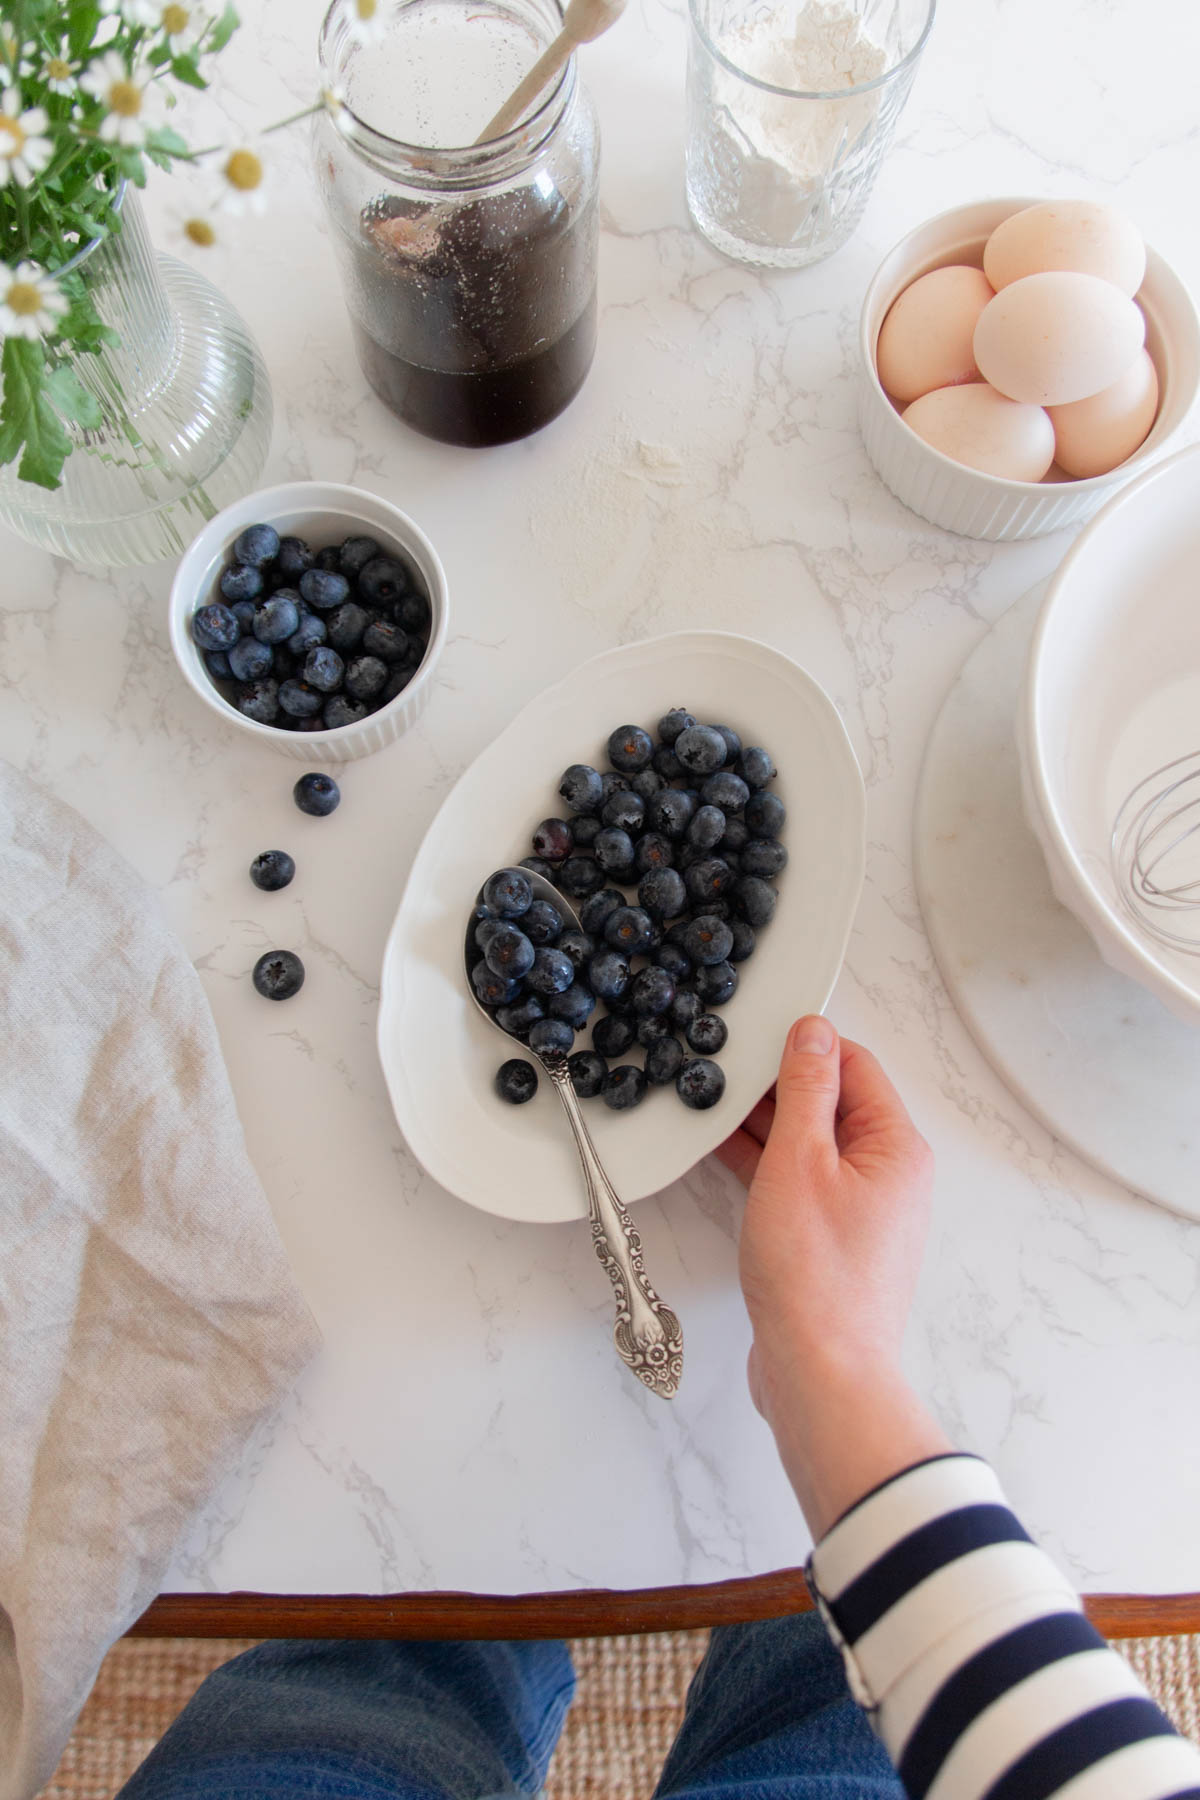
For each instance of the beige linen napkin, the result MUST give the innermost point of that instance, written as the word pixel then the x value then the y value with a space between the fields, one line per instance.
pixel 148 1318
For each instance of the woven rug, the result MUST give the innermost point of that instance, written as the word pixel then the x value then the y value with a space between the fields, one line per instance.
pixel 626 1711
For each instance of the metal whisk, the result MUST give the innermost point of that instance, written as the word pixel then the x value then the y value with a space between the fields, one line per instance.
pixel 1156 817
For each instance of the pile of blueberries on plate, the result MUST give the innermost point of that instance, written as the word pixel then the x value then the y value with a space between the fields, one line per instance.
pixel 688 822
pixel 307 640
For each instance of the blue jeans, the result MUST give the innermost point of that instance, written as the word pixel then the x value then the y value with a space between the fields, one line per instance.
pixel 768 1716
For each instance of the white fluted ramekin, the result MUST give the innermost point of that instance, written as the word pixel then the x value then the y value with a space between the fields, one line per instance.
pixel 966 500
pixel 322 512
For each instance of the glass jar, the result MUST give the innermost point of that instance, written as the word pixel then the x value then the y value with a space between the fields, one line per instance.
pixel 469 272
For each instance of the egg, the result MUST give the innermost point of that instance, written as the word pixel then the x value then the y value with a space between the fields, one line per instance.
pixel 1067 234
pixel 977 426
pixel 925 340
pixel 1092 436
pixel 1060 336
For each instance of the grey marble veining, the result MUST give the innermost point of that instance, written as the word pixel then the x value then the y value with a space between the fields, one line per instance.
pixel 466 1425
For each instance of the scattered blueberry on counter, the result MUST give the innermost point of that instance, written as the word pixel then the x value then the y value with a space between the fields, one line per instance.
pixel 317 794
pixel 670 854
pixel 279 974
pixel 516 1081
pixel 272 870
pixel 312 639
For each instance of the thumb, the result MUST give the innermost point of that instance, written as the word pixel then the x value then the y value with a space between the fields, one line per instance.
pixel 809 1082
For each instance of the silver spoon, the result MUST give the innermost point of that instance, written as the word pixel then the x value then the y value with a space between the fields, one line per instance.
pixel 647 1334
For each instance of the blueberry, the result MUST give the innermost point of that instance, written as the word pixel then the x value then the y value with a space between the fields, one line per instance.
pixel 736 837
pixel 582 788
pixel 667 764
pixel 726 790
pixel 493 989
pixel 550 1035
pixel 764 857
pixel 382 580
pixel 613 782
pixel 279 974
pixel 293 558
pixel 598 908
pixel 755 767
pixel 708 940
pixel 629 749
pixel 243 612
pixel 706 828
pixel 613 1035
pixel 646 783
pixel 257 545
pixel 733 743
pixel 551 972
pixel 652 991
pixel 652 851
pixel 542 923
pixel 575 1004
pixel 414 613
pixel 587 1072
pixel 365 677
pixel 259 700
pixel 241 583
pixel 509 952
pixel 299 701
pixel 324 589
pixel 317 794
pixel 323 669
pixel 664 1061
pixel 609 974
pixel 508 893
pixel 754 900
pixel 398 680
pixel 485 929
pixel 670 811
pixel 628 929
pixel 218 665
pixel 652 1028
pixel 700 749
pixel 700 1083
pixel 579 947
pixel 327 559
pixel 521 1016
pixel 670 726
pixel 310 632
pixel 553 839
pixel 340 710
pixel 516 1081
pixel 765 815
pixel 625 810
pixel 581 875
pixel 662 891
pixel 624 1087
pixel 214 627
pixel 537 866
pixel 355 553
pixel 675 961
pixel 685 1007
pixel 743 940
pixel 707 1034
pixel 707 879
pixel 271 870
pixel 613 850
pixel 716 983
pixel 385 640
pixel 347 624
pixel 276 618
pixel 587 829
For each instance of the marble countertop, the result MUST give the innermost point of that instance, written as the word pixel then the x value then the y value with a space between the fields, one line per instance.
pixel 466 1425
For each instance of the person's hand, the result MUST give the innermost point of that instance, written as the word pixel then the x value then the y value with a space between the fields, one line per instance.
pixel 839 1181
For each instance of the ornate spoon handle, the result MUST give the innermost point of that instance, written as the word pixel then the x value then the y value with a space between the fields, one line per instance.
pixel 647 1333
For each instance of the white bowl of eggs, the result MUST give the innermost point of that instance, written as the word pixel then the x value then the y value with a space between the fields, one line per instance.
pixel 1021 360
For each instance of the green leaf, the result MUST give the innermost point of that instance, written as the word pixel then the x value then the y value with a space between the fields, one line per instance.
pixel 27 417
pixel 71 400
pixel 186 69
pixel 83 17
pixel 160 54
pixel 223 30
pixel 166 141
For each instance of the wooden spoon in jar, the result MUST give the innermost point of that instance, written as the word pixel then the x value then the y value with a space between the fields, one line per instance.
pixel 583 21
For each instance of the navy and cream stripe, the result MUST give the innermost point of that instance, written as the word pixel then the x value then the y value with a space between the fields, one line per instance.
pixel 982 1676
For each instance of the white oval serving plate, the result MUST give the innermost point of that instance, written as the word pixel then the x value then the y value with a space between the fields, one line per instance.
pixel 439 1054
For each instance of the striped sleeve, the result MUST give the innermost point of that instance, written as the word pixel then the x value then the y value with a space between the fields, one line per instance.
pixel 973 1657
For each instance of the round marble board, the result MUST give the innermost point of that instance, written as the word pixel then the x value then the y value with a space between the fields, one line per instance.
pixel 1094 1056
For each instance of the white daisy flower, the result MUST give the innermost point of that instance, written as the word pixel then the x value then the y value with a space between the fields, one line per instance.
pixel 124 95
pixel 23 151
pixel 58 71
pixel 182 24
pixel 134 12
pixel 245 180
pixel 18 57
pixel 364 20
pixel 31 303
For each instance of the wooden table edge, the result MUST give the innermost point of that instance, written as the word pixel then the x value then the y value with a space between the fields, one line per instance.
pixel 589 1612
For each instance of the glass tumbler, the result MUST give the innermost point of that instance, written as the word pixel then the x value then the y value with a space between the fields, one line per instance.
pixel 790 110
pixel 469 269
